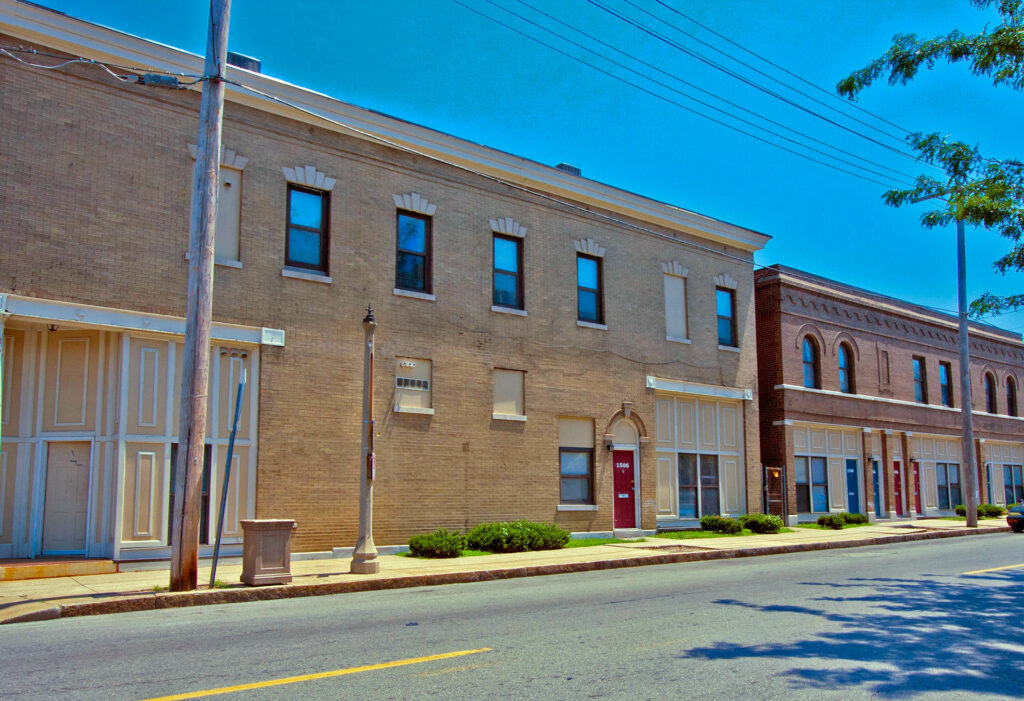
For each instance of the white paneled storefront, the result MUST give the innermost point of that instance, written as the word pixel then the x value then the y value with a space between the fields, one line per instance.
pixel 89 429
pixel 700 458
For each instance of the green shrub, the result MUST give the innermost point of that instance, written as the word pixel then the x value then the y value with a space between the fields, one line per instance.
pixel 440 543
pixel 854 518
pixel 833 521
pixel 760 523
pixel 516 536
pixel 719 524
pixel 984 510
pixel 990 511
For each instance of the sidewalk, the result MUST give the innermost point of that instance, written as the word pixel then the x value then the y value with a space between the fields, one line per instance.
pixel 41 599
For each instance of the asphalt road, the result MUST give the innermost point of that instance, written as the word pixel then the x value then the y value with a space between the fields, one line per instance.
pixel 898 621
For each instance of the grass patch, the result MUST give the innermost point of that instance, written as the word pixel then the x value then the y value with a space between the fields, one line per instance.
pixel 694 535
pixel 816 527
pixel 160 587
pixel 588 542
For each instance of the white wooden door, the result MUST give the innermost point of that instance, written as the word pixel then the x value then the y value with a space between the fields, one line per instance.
pixel 67 497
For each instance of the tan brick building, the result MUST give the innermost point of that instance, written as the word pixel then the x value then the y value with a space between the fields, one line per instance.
pixel 860 402
pixel 548 347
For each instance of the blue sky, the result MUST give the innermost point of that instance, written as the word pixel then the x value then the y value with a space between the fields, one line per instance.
pixel 440 65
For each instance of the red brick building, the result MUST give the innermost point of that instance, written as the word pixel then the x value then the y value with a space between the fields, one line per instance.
pixel 860 402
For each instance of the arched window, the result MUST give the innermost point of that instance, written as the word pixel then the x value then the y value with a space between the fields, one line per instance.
pixel 846 375
pixel 1011 397
pixel 990 393
pixel 812 374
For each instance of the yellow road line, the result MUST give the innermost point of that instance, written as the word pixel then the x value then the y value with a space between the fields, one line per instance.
pixel 318 675
pixel 994 569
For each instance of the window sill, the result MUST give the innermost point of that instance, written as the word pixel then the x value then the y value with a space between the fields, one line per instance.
pixel 415 295
pixel 412 410
pixel 731 349
pixel 222 262
pixel 577 507
pixel 591 325
pixel 677 340
pixel 508 417
pixel 302 275
pixel 508 310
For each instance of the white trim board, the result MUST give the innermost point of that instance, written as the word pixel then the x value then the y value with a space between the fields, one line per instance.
pixel 887 400
pixel 682 387
pixel 84 315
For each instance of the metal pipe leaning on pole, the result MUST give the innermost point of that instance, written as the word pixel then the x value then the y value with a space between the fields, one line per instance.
pixel 227 478
pixel 364 557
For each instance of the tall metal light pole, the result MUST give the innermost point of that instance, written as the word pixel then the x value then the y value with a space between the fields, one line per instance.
pixel 196 358
pixel 966 418
pixel 364 559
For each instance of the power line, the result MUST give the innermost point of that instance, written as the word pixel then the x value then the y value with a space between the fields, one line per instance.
pixel 678 104
pixel 700 89
pixel 781 68
pixel 536 193
pixel 704 59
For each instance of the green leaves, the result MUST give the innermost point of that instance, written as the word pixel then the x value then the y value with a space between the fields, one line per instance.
pixel 978 190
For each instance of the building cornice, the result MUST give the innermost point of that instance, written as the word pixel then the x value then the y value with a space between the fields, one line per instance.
pixel 81 38
pixel 878 304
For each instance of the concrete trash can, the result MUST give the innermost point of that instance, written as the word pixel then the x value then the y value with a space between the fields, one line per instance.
pixel 267 551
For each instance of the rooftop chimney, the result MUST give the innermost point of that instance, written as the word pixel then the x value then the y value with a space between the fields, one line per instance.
pixel 242 61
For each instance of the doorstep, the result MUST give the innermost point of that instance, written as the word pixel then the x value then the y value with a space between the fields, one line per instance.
pixel 11 570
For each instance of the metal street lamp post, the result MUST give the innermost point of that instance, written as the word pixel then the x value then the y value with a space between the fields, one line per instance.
pixel 364 559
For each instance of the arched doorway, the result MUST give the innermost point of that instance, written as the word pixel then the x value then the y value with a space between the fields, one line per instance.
pixel 625 474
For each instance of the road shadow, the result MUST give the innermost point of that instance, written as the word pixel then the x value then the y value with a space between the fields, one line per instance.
pixel 956 636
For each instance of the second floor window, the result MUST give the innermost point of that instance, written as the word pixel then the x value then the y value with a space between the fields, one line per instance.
pixel 590 306
pixel 412 258
pixel 920 380
pixel 1011 397
pixel 306 238
pixel 945 383
pixel 812 374
pixel 508 276
pixel 990 394
pixel 846 377
pixel 725 310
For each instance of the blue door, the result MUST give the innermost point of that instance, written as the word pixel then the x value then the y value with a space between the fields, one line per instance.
pixel 852 490
pixel 878 490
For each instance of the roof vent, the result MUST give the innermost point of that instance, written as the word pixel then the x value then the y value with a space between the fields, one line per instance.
pixel 571 170
pixel 242 61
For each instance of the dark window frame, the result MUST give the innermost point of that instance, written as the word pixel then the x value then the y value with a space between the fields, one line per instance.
pixel 427 254
pixel 1013 489
pixel 598 292
pixel 920 376
pixel 495 271
pixel 846 351
pixel 734 341
pixel 945 486
pixel 805 490
pixel 323 231
pixel 588 478
pixel 814 362
pixel 1011 396
pixel 946 395
pixel 988 381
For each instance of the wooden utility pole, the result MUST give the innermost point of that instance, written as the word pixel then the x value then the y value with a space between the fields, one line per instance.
pixel 970 476
pixel 196 362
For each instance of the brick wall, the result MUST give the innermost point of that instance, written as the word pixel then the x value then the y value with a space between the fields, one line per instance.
pixel 95 208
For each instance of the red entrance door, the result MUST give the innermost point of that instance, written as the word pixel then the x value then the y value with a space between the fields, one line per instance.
pixel 897 473
pixel 917 487
pixel 625 494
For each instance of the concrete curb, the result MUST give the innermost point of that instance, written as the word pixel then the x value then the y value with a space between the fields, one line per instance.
pixel 165 600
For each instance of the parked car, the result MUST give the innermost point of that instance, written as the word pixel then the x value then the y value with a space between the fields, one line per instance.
pixel 1015 517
